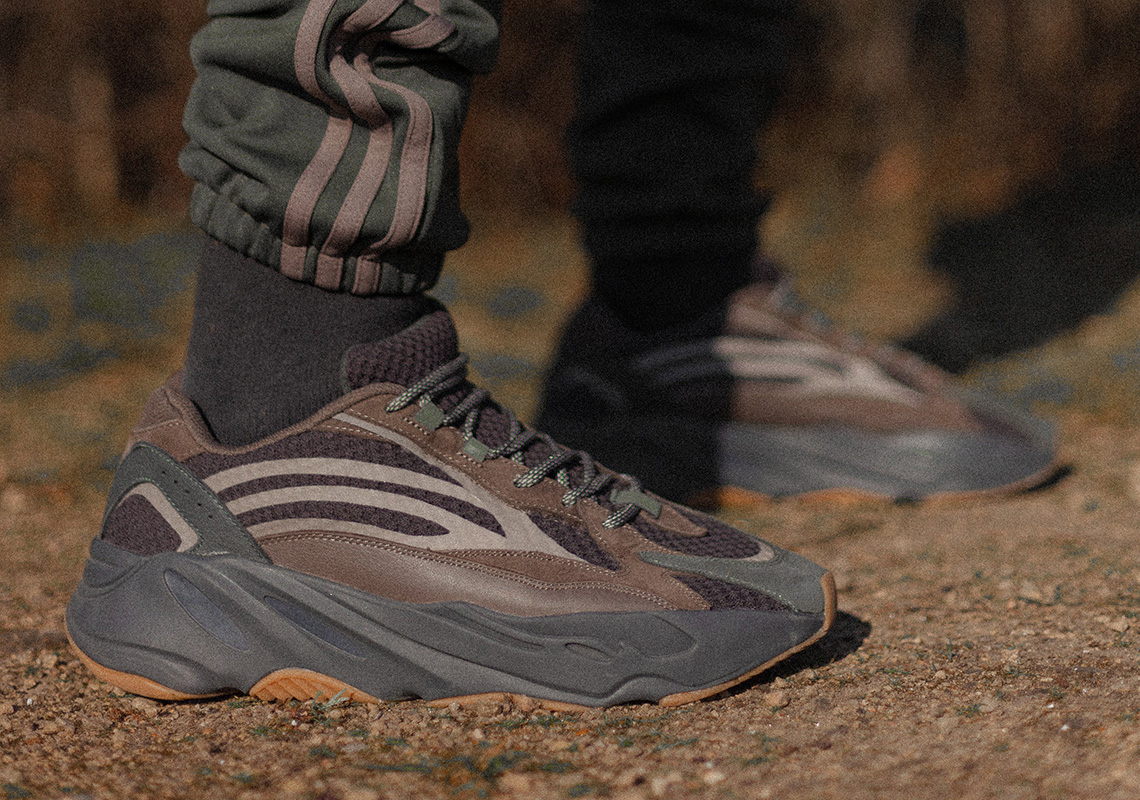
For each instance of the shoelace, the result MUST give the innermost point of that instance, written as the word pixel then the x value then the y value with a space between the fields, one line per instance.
pixel 592 482
pixel 785 302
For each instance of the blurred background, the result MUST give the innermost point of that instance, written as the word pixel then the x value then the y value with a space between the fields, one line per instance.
pixel 960 174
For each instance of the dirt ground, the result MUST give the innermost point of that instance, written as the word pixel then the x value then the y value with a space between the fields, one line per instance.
pixel 984 649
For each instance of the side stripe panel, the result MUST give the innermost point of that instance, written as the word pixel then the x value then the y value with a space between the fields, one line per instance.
pixel 350 47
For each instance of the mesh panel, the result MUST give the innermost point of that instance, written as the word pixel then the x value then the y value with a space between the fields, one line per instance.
pixel 406 357
pixel 493 427
pixel 720 540
pixel 413 353
pixel 137 527
pixel 575 539
pixel 721 594
pixel 385 518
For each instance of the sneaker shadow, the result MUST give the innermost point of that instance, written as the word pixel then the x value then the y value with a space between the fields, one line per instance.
pixel 847 635
pixel 1063 252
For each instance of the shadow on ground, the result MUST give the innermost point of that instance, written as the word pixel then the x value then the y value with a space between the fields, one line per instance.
pixel 846 636
pixel 1063 252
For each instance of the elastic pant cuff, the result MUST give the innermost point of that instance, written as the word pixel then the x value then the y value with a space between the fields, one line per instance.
pixel 401 272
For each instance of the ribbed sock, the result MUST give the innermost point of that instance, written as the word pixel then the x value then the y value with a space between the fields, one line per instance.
pixel 265 351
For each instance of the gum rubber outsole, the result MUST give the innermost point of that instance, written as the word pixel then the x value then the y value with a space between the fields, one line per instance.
pixel 739 499
pixel 304 684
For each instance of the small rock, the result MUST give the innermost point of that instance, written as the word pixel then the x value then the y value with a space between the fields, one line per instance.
pixel 1134 480
pixel 629 778
pixel 13 500
pixel 522 703
pixel 148 708
pixel 294 787
pixel 48 660
pixel 659 784
pixel 6 709
pixel 712 777
pixel 1120 624
pixel 780 683
pixel 477 734
pixel 777 699
pixel 947 723
pixel 516 782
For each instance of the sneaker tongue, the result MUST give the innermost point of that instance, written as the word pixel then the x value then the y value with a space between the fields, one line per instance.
pixel 405 357
pixel 409 355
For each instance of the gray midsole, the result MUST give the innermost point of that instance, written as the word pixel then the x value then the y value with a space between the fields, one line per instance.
pixel 203 625
pixel 675 457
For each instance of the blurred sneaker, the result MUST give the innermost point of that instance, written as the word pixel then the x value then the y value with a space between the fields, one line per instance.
pixel 412 539
pixel 761 399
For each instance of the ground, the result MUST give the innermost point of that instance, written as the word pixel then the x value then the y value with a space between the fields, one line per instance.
pixel 983 649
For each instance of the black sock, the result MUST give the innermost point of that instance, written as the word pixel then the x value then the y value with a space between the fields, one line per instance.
pixel 265 351
pixel 664 148
pixel 666 292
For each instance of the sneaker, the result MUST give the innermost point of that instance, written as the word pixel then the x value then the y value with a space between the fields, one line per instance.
pixel 413 539
pixel 761 399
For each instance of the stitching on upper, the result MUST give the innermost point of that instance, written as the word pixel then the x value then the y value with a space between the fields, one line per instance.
pixel 475 567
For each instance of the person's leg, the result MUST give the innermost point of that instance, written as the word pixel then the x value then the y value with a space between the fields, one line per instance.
pixel 671 96
pixel 687 364
pixel 333 175
pixel 404 535
pixel 253 368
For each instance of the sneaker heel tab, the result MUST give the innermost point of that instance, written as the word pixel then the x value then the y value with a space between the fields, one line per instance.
pixel 217 529
pixel 174 382
pixel 171 421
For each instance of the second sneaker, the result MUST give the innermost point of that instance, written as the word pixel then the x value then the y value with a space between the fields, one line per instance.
pixel 761 399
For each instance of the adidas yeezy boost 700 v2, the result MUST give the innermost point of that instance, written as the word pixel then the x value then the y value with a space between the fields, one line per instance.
pixel 761 399
pixel 412 539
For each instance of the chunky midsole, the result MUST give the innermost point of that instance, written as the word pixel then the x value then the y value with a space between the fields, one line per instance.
pixel 678 457
pixel 202 625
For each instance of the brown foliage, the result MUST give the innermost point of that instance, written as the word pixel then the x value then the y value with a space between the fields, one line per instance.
pixel 969 98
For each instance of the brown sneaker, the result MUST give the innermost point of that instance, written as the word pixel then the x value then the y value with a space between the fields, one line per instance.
pixel 412 539
pixel 760 399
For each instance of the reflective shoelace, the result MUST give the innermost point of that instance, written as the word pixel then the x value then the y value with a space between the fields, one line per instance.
pixel 786 303
pixel 591 482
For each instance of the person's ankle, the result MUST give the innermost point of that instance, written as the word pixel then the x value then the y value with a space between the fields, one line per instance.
pixel 265 351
